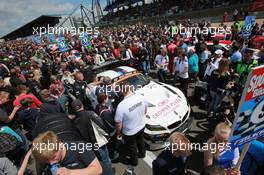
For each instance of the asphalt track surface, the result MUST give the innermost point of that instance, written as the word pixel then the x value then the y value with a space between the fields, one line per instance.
pixel 200 131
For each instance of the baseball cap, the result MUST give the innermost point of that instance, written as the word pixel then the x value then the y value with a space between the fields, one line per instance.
pixel 76 105
pixel 218 52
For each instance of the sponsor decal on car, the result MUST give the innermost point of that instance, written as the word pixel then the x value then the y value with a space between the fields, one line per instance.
pixel 166 108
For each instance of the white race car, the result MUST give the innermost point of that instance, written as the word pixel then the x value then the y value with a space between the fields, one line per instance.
pixel 168 109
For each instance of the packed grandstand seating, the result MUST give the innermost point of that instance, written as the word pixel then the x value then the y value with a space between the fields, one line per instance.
pixel 172 7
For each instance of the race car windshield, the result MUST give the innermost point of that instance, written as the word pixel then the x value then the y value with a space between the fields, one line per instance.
pixel 138 81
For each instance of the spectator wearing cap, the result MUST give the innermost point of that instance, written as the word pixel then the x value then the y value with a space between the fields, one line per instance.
pixel 92 130
pixel 213 63
pixel 216 45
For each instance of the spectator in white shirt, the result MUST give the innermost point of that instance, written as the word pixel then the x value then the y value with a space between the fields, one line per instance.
pixel 98 59
pixel 212 65
pixel 181 70
pixel 130 122
pixel 161 62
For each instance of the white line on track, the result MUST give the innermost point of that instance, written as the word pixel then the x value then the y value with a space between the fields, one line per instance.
pixel 150 156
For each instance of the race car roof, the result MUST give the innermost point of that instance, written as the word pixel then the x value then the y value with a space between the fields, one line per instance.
pixel 116 72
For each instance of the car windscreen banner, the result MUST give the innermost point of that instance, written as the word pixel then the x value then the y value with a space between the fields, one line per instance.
pixel 248 26
pixel 249 122
pixel 63 47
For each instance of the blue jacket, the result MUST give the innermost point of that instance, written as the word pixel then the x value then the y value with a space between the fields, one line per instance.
pixel 193 63
pixel 253 163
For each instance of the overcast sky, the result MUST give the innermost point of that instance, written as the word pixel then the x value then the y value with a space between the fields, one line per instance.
pixel 16 13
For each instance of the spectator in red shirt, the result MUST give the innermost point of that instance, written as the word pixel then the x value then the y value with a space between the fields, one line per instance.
pixel 134 49
pixel 116 51
pixel 171 51
pixel 225 17
pixel 23 94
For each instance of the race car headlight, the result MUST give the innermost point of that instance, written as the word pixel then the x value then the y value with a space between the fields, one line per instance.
pixel 155 127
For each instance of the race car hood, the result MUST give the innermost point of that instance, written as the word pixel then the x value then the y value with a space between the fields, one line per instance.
pixel 166 104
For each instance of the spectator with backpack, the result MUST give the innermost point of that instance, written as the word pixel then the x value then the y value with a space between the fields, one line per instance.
pixel 12 145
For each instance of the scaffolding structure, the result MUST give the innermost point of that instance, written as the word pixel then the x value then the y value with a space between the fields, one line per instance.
pixel 89 17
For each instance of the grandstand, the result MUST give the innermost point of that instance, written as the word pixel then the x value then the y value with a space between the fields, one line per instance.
pixel 28 29
pixel 126 10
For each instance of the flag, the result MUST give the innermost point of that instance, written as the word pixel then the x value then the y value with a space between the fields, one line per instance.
pixel 63 47
pixel 248 26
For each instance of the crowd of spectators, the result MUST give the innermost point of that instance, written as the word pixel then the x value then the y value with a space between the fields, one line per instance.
pixel 51 97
